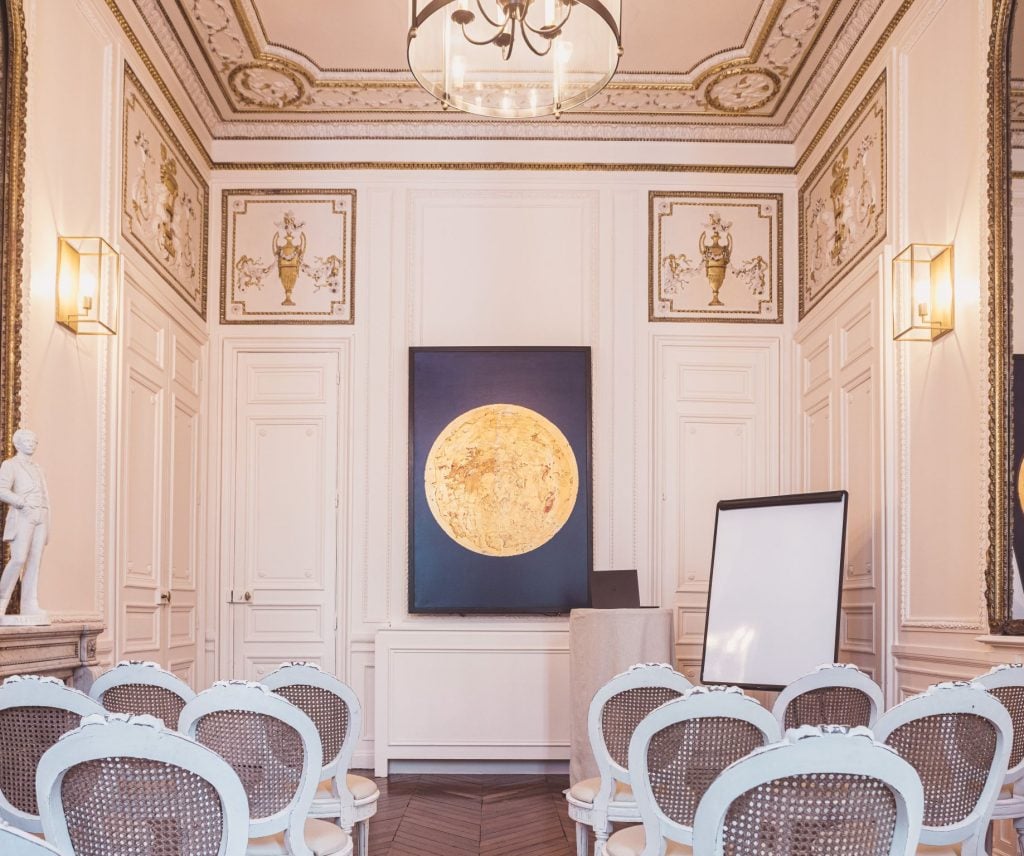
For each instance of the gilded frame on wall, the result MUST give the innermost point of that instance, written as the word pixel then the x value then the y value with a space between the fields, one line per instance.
pixel 15 99
pixel 843 202
pixel 165 202
pixel 296 244
pixel 715 256
pixel 999 570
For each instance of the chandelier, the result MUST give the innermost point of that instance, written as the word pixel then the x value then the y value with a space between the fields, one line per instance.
pixel 514 59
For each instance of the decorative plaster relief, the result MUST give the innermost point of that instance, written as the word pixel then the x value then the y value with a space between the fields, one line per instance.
pixel 288 257
pixel 843 201
pixel 164 200
pixel 715 257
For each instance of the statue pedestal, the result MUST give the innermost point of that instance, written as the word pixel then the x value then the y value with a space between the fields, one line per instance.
pixel 38 619
pixel 64 651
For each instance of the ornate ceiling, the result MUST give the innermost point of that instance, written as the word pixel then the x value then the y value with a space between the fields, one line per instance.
pixel 692 70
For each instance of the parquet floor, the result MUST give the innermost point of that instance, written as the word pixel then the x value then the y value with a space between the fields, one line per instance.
pixel 429 815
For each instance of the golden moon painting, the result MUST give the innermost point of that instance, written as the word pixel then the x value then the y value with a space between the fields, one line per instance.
pixel 501 480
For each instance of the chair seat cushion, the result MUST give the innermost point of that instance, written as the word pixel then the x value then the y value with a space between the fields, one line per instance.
pixel 939 849
pixel 361 787
pixel 586 791
pixel 630 842
pixel 323 838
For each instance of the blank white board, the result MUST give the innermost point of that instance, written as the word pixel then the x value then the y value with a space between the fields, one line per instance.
pixel 775 588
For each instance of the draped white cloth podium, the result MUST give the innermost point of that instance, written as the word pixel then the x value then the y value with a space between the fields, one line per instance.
pixel 603 643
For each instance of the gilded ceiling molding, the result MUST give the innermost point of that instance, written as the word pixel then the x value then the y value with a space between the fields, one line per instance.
pixel 504 166
pixel 155 75
pixel 865 66
pixel 13 219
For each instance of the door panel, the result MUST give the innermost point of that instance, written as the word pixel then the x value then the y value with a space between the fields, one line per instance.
pixel 285 517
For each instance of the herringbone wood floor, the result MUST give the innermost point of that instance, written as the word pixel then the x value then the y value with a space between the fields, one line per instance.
pixel 427 815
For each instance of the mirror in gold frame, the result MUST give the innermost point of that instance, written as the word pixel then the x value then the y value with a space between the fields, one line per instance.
pixel 13 87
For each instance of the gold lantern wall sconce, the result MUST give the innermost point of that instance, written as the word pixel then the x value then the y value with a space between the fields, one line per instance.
pixel 922 293
pixel 88 286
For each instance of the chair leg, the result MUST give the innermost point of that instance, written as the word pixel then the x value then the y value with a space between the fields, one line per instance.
pixel 363 836
pixel 582 839
pixel 601 835
pixel 1018 827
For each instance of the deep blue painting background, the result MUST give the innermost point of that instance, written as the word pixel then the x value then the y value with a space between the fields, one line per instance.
pixel 446 577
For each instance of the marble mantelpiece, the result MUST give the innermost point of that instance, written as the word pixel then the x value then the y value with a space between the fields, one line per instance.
pixel 65 651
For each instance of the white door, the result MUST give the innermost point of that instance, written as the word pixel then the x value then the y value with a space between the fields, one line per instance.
pixel 284 510
pixel 159 502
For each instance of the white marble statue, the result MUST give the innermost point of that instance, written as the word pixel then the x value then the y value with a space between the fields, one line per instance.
pixel 27 530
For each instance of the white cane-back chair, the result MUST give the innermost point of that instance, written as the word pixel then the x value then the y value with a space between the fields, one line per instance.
pixel 127 786
pixel 142 687
pixel 834 694
pixel 958 738
pixel 1006 683
pixel 831 791
pixel 338 716
pixel 675 754
pixel 615 711
pixel 34 713
pixel 275 750
pixel 14 842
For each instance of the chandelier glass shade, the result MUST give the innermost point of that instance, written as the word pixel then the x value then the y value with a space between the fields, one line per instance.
pixel 514 59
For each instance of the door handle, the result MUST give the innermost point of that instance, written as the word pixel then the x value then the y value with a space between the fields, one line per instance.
pixel 245 598
pixel 165 598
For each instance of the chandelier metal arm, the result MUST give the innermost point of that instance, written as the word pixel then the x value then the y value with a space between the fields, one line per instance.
pixel 483 43
pixel 529 44
pixel 480 6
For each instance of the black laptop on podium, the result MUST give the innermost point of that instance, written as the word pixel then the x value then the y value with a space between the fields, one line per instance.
pixel 614 590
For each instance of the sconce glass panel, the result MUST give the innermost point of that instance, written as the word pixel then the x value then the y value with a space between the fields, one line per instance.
pixel 88 286
pixel 922 298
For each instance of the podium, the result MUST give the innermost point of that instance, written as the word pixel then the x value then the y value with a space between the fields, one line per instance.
pixel 603 643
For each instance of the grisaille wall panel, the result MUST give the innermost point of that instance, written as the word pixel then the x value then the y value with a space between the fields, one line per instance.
pixel 716 257
pixel 164 198
pixel 843 202
pixel 288 257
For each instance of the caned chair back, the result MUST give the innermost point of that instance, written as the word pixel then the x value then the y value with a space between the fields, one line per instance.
pixel 1006 683
pixel 958 738
pixel 825 790
pixel 129 786
pixel 34 713
pixel 332 705
pixel 834 694
pixel 272 746
pixel 616 710
pixel 142 687
pixel 14 842
pixel 680 748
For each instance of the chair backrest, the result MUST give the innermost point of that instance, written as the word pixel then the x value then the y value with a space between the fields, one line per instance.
pixel 616 710
pixel 142 687
pixel 14 842
pixel 1006 683
pixel 129 786
pixel 825 790
pixel 834 694
pixel 34 713
pixel 272 746
pixel 332 705
pixel 958 737
pixel 680 748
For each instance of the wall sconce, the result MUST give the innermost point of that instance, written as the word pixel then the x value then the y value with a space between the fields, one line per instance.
pixel 922 293
pixel 88 284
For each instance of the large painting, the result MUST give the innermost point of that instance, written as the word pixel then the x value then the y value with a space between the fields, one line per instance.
pixel 843 201
pixel 499 479
pixel 287 257
pixel 164 199
pixel 715 257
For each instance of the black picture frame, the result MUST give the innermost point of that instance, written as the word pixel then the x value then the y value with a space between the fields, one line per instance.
pixel 446 577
